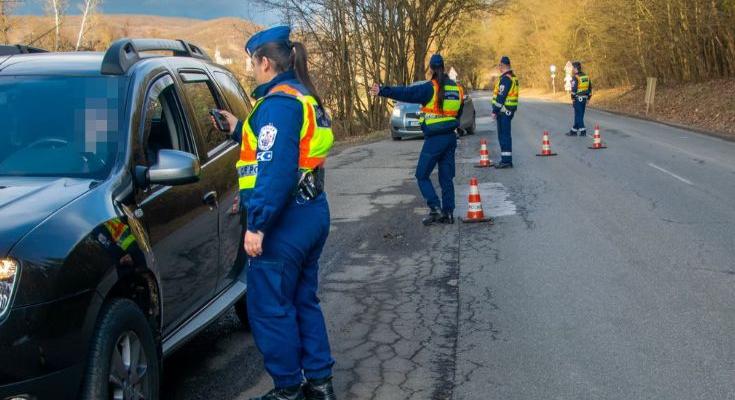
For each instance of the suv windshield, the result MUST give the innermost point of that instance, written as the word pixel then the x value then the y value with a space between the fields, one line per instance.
pixel 59 126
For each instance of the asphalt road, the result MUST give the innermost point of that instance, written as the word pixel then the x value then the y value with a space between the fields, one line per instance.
pixel 608 274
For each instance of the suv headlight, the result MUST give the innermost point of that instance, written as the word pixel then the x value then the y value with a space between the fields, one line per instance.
pixel 396 112
pixel 8 273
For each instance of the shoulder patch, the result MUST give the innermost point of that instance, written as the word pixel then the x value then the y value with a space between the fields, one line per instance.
pixel 501 88
pixel 267 137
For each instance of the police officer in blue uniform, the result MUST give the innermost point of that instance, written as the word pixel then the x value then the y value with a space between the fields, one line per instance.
pixel 442 101
pixel 284 143
pixel 581 94
pixel 505 104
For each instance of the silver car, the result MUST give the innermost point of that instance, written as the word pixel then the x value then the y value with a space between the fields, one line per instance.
pixel 404 121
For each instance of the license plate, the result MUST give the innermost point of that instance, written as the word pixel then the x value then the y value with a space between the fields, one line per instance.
pixel 413 124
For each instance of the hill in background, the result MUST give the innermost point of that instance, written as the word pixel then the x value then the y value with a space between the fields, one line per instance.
pixel 228 35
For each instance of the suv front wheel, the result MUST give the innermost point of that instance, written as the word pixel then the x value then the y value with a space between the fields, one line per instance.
pixel 123 362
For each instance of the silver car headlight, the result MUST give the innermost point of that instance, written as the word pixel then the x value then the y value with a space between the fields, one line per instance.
pixel 396 112
pixel 8 277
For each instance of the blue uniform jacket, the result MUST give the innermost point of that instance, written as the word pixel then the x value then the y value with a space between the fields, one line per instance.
pixel 574 89
pixel 504 87
pixel 278 160
pixel 421 94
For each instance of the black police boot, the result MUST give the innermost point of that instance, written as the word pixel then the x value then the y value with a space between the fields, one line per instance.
pixel 446 218
pixel 319 389
pixel 503 165
pixel 431 218
pixel 289 393
pixel 582 133
pixel 571 133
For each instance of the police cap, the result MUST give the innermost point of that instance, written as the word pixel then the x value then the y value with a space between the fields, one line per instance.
pixel 276 34
pixel 505 60
pixel 436 60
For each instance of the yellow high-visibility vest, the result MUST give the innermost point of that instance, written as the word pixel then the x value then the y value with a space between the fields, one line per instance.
pixel 511 100
pixel 453 98
pixel 314 144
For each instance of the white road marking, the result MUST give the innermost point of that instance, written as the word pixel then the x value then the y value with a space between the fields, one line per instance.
pixel 687 181
pixel 494 196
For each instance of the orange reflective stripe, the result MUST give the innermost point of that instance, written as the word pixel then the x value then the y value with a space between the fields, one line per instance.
pixel 305 144
pixel 116 229
pixel 286 89
pixel 434 103
pixel 246 152
pixel 310 162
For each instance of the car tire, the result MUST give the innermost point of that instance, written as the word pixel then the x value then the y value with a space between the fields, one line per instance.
pixel 396 138
pixel 241 310
pixel 122 337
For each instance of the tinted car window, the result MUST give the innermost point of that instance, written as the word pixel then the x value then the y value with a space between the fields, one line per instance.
pixel 234 93
pixel 59 126
pixel 202 100
pixel 163 123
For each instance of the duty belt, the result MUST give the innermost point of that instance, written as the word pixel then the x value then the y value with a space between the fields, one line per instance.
pixel 311 185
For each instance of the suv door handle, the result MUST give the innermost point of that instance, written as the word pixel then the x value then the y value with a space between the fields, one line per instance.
pixel 210 199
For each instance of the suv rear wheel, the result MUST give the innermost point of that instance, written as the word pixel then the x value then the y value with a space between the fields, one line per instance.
pixel 123 362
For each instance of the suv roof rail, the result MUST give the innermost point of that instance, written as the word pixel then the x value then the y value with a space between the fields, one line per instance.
pixel 19 49
pixel 125 52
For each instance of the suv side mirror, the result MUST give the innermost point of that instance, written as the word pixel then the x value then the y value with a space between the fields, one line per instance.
pixel 173 168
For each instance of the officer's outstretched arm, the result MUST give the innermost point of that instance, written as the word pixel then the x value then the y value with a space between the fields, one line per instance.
pixel 419 94
pixel 278 124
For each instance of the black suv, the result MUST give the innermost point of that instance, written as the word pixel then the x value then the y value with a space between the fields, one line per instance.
pixel 120 231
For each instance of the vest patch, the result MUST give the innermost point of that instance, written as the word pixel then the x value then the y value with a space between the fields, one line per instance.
pixel 264 156
pixel 248 170
pixel 267 137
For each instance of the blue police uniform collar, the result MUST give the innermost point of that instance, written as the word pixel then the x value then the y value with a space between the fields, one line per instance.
pixel 263 89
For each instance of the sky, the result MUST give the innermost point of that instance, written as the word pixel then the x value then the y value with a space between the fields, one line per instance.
pixel 201 9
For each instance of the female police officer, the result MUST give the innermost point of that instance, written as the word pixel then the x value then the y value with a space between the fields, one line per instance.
pixel 442 101
pixel 284 144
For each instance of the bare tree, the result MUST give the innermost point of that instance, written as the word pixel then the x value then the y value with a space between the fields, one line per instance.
pixel 6 21
pixel 57 9
pixel 88 8
pixel 357 42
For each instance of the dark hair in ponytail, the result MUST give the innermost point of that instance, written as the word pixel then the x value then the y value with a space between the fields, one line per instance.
pixel 288 57
pixel 437 74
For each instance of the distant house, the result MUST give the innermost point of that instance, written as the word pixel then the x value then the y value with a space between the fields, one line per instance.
pixel 219 59
pixel 452 74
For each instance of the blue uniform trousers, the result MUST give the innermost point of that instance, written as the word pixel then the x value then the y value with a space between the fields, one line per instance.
pixel 579 108
pixel 283 307
pixel 438 149
pixel 504 136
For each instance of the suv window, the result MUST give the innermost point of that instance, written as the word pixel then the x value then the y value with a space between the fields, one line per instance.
pixel 59 126
pixel 234 93
pixel 198 90
pixel 163 124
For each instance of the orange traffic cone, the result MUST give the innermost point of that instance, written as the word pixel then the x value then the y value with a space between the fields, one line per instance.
pixel 484 156
pixel 597 143
pixel 474 209
pixel 546 146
